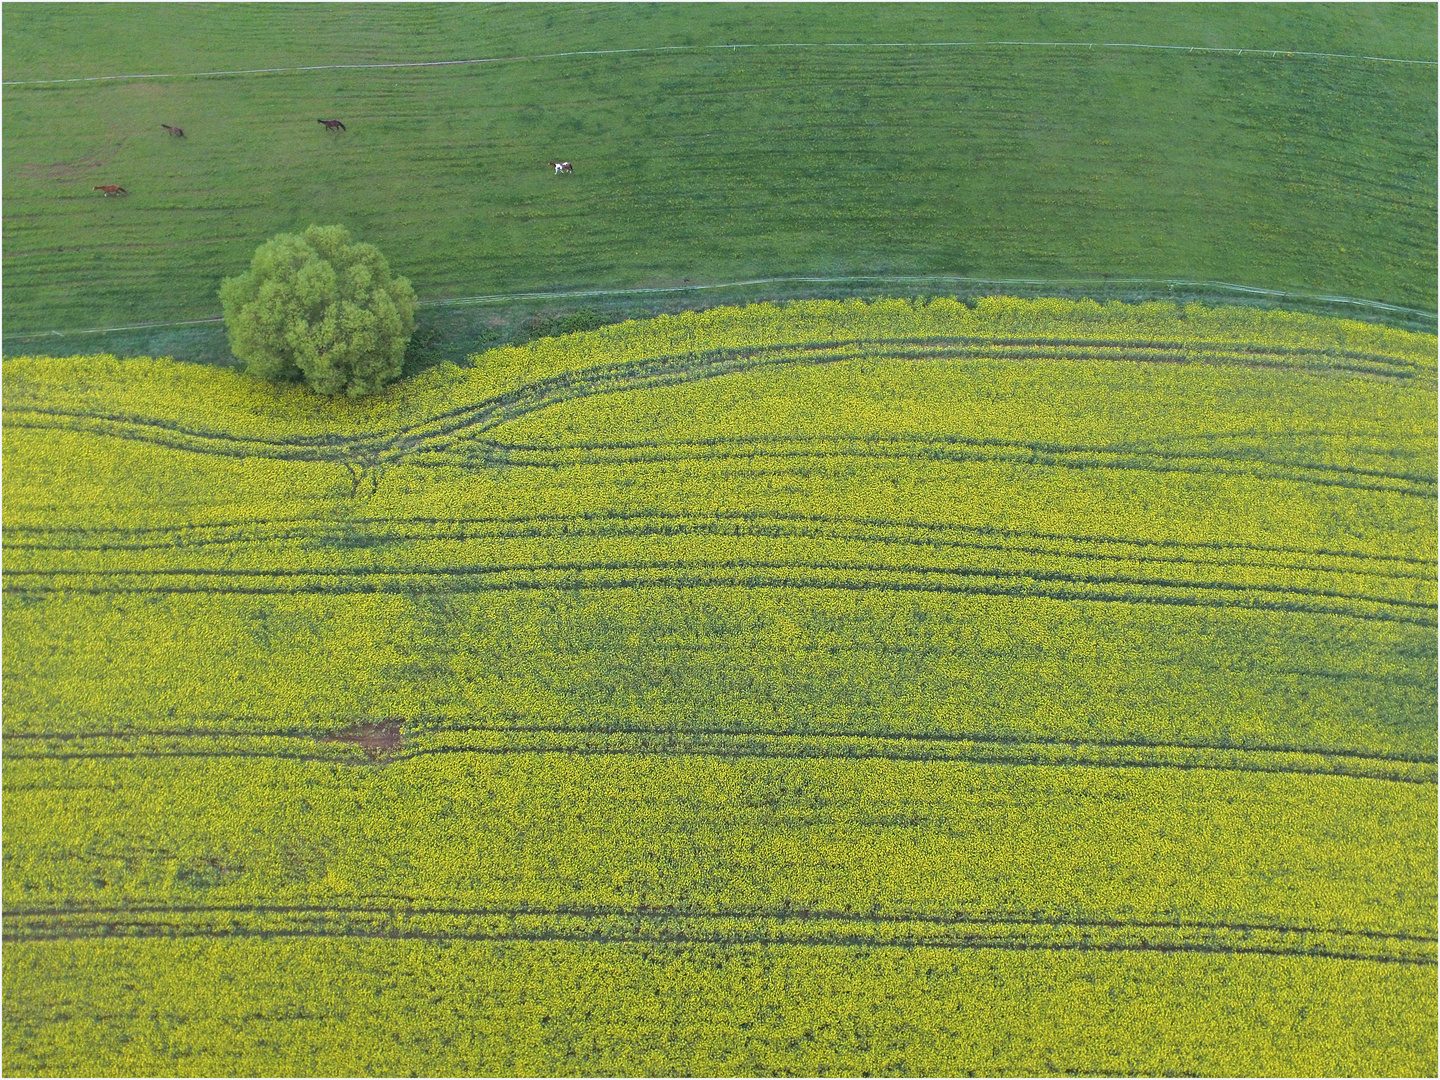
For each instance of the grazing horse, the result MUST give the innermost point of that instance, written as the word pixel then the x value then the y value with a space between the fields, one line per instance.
pixel 562 167
pixel 111 189
pixel 177 132
pixel 332 125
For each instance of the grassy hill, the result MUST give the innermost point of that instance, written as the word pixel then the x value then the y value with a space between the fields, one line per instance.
pixel 1031 687
pixel 696 165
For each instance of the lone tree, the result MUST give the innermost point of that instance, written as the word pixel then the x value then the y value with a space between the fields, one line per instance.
pixel 322 308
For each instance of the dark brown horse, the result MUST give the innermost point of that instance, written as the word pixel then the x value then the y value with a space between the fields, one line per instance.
pixel 332 125
pixel 111 189
pixel 177 132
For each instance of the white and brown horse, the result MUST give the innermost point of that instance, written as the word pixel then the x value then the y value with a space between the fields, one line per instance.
pixel 562 167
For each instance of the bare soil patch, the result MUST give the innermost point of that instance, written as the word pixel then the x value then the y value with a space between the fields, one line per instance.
pixel 377 739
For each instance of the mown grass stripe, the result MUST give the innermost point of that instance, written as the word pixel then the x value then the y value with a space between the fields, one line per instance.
pixel 1272 54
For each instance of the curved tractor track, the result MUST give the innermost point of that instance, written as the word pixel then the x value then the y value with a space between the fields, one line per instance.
pixel 447 430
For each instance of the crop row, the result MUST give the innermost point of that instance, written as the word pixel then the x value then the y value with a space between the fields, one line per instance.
pixel 818 659
pixel 656 372
pixel 933 446
pixel 249 542
pixel 783 928
pixel 758 454
pixel 397 907
pixel 693 573
pixel 944 449
pixel 242 1006
pixel 713 832
pixel 248 732
pixel 651 522
pixel 717 341
pixel 439 431
pixel 491 454
pixel 1014 447
pixel 347 551
pixel 747 741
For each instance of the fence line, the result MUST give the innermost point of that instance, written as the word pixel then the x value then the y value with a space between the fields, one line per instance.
pixel 1271 53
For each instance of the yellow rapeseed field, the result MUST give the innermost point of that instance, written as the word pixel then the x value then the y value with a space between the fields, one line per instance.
pixel 890 688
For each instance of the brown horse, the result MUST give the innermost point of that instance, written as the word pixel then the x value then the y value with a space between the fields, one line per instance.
pixel 332 125
pixel 177 132
pixel 562 167
pixel 111 189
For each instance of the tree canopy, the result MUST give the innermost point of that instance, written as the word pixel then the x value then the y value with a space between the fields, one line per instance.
pixel 323 308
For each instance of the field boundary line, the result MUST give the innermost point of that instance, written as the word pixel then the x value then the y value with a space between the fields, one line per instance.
pixel 921 279
pixel 580 294
pixel 1273 54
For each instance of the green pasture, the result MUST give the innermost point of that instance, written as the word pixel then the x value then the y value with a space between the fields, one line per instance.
pixel 1032 688
pixel 1122 168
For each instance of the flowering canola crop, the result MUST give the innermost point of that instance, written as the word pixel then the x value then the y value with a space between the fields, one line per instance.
pixel 1029 687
